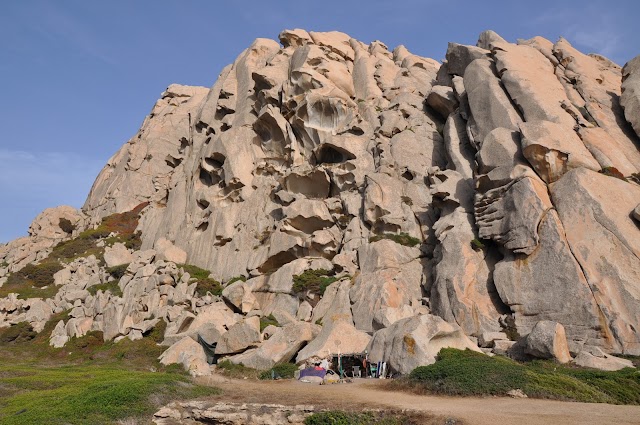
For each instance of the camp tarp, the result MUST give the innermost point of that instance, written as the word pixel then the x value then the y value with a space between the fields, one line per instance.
pixel 312 371
pixel 209 349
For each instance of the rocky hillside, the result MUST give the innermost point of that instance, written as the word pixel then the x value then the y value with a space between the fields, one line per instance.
pixel 346 197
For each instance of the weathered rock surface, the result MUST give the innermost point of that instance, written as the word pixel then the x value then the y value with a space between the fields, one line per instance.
pixel 188 353
pixel 548 340
pixel 196 412
pixel 416 341
pixel 630 99
pixel 488 194
pixel 281 347
pixel 340 337
pixel 595 358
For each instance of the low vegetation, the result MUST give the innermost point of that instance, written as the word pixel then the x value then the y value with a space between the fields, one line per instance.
pixel 66 225
pixel 477 244
pixel 267 321
pixel 339 417
pixel 87 381
pixel 117 271
pixel 399 238
pixel 469 373
pixel 114 228
pixel 280 371
pixel 87 394
pixel 112 286
pixel 20 332
pixel 314 281
pixel 204 282
pixel 612 172
pixel 236 279
pixel 237 371
pixel 37 275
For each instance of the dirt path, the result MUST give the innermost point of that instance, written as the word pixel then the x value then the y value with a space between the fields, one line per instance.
pixel 473 411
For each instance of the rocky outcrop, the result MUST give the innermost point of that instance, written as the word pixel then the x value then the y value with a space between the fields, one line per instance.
pixel 416 341
pixel 630 99
pixel 196 412
pixel 348 195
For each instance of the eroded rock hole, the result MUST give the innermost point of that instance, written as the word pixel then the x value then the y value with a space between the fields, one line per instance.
pixel 332 155
pixel 203 204
pixel 172 162
pixel 215 161
pixel 408 175
pixel 223 111
pixel 208 179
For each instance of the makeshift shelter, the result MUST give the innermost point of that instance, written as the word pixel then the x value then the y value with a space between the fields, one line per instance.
pixel 209 349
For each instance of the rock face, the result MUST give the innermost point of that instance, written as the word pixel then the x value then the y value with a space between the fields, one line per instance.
pixel 337 189
pixel 630 99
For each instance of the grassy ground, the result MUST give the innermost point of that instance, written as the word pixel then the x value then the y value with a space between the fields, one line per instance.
pixel 87 381
pixel 339 417
pixel 87 394
pixel 468 373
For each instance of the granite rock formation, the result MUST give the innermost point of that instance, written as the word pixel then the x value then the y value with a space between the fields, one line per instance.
pixel 496 191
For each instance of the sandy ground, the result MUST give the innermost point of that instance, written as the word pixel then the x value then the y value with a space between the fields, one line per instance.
pixel 365 393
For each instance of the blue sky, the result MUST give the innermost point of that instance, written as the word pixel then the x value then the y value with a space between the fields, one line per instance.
pixel 78 77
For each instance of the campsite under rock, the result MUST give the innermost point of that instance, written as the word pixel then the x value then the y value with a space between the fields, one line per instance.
pixel 331 200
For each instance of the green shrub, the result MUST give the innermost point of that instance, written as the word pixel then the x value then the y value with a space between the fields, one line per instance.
pixel 612 172
pixel 399 238
pixel 208 285
pixel 477 244
pixel 112 287
pixel 237 371
pixel 37 275
pixel 469 373
pixel 20 332
pixel 236 279
pixel 338 417
pixel 281 370
pixel 204 282
pixel 195 272
pixel 66 225
pixel 314 281
pixel 117 271
pixel 266 321
pixel 156 334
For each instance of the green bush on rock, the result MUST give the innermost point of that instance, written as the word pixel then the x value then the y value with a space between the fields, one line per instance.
pixel 314 281
pixel 399 238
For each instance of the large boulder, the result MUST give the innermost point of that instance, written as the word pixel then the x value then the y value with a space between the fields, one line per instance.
pixel 281 347
pixel 240 336
pixel 548 340
pixel 117 255
pixel 188 353
pixel 167 251
pixel 341 337
pixel 416 341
